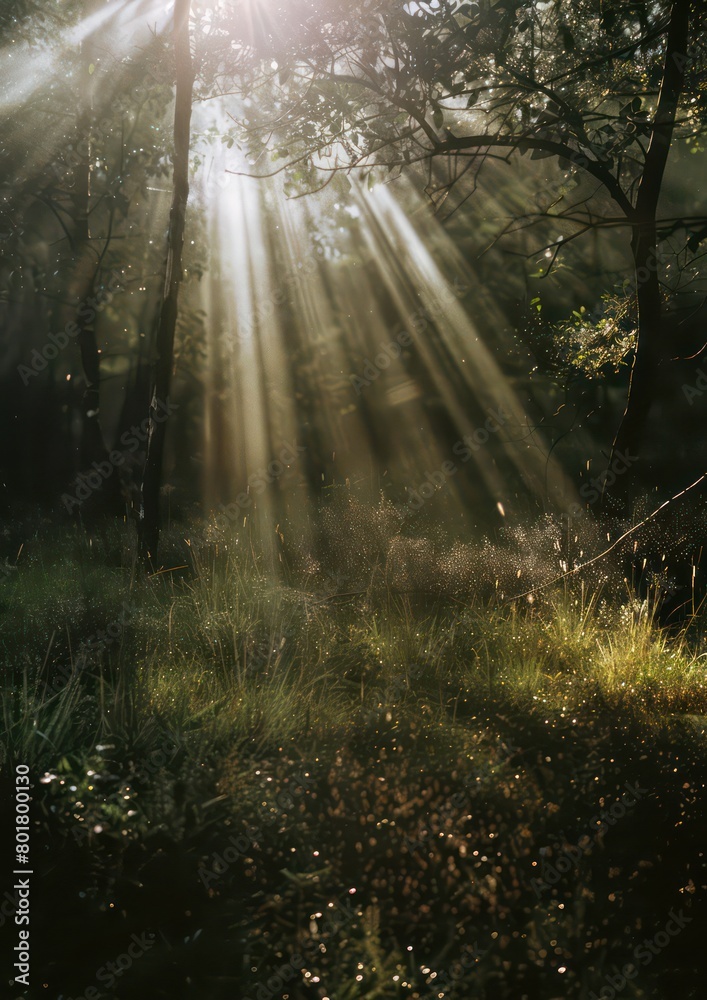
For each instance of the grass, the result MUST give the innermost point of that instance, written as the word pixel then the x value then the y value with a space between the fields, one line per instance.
pixel 371 738
pixel 223 657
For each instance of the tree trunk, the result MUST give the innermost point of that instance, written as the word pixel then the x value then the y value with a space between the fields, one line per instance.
pixel 86 276
pixel 649 354
pixel 149 514
pixel 87 267
pixel 650 351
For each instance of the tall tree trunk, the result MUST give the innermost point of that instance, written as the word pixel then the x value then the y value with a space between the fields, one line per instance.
pixel 86 274
pixel 650 351
pixel 86 278
pixel 86 271
pixel 149 514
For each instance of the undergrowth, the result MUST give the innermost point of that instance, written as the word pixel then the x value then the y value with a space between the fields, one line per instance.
pixel 392 770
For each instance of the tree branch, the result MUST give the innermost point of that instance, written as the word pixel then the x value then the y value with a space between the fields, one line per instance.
pixel 559 149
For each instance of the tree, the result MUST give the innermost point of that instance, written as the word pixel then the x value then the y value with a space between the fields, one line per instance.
pixel 149 514
pixel 603 88
pixel 76 164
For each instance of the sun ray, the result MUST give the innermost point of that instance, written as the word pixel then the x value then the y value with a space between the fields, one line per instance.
pixel 300 355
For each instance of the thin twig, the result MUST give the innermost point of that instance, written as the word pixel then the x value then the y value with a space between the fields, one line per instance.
pixel 621 538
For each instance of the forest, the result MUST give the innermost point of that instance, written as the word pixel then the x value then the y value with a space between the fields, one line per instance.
pixel 353 499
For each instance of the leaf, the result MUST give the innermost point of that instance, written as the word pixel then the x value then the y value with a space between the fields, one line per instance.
pixel 438 117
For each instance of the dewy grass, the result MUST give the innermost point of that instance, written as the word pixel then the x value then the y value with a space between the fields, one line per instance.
pixel 216 649
pixel 424 753
pixel 37 727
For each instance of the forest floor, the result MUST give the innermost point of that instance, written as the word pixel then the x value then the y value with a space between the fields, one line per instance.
pixel 255 787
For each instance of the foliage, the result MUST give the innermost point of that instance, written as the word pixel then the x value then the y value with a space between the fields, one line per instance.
pixel 453 89
pixel 396 84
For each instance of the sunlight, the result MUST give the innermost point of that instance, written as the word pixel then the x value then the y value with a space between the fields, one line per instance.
pixel 113 36
pixel 410 251
pixel 331 665
pixel 25 71
pixel 288 361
